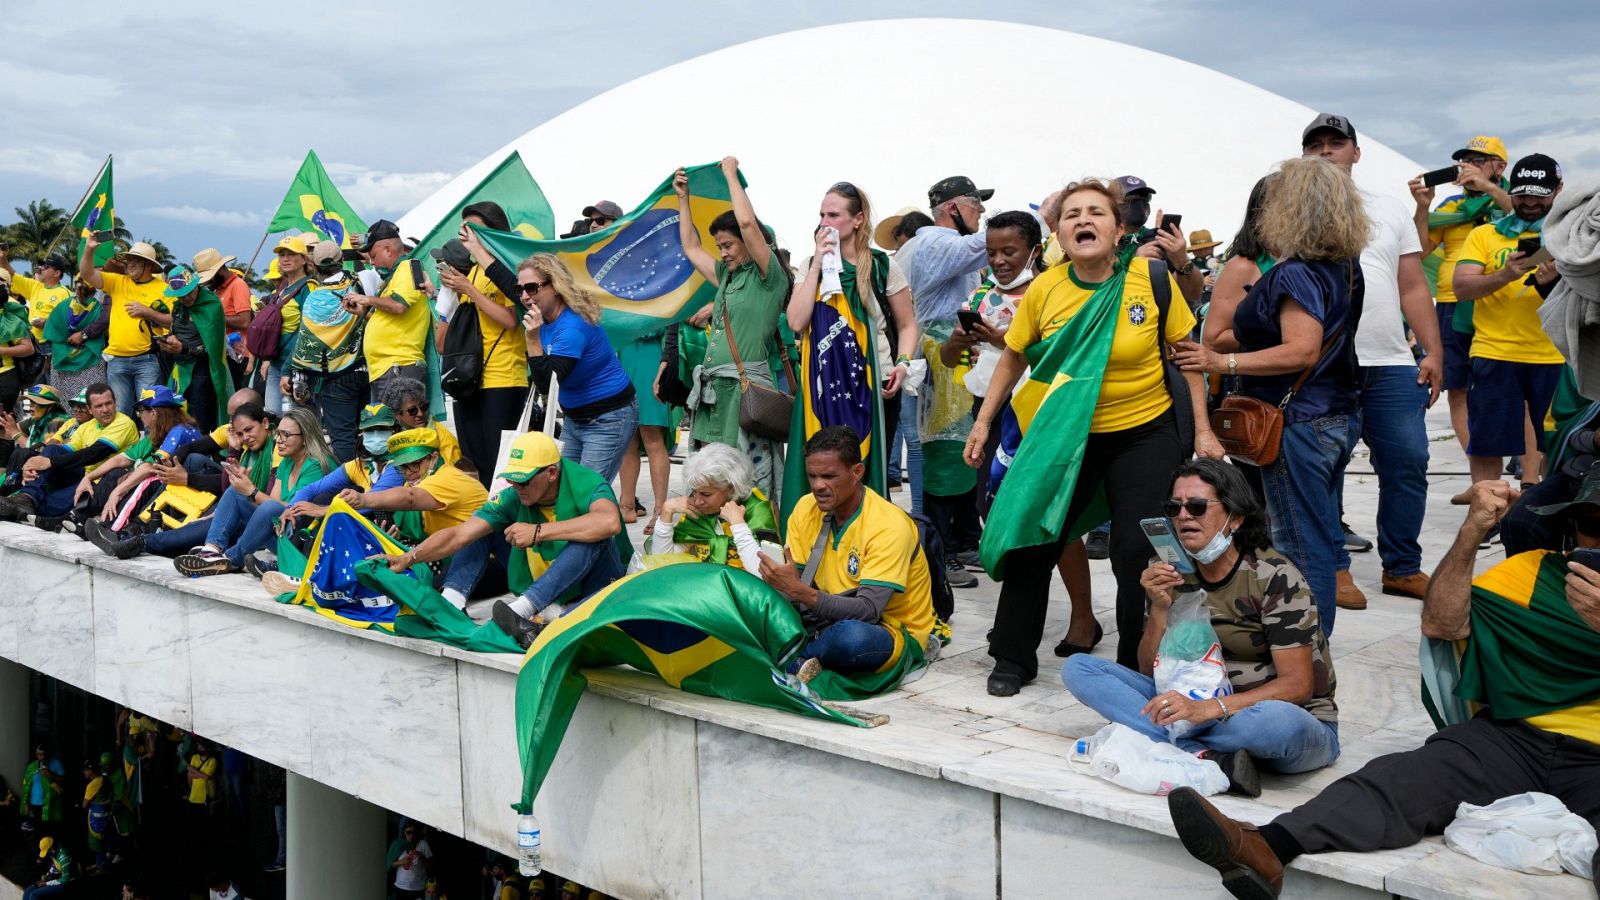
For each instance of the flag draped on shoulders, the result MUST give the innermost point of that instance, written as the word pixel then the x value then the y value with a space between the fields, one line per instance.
pixel 703 628
pixel 510 185
pixel 314 204
pixel 65 320
pixel 635 267
pixel 212 323
pixel 1052 409
pixel 97 213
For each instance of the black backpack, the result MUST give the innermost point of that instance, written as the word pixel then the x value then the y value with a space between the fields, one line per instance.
pixel 1182 411
pixel 944 599
pixel 461 358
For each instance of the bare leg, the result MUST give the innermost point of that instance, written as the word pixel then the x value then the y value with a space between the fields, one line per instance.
pixel 629 476
pixel 1458 415
pixel 1074 570
pixel 1532 460
pixel 1485 468
pixel 655 447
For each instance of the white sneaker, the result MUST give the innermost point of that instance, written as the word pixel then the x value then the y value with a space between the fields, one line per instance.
pixel 277 584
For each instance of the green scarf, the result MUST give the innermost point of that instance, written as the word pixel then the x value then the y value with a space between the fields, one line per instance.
pixel 14 323
pixel 61 324
pixel 209 320
pixel 1512 225
pixel 707 531
pixel 573 496
pixel 1476 209
pixel 259 464
pixel 51 811
pixel 1054 406
pixel 36 430
pixel 1527 661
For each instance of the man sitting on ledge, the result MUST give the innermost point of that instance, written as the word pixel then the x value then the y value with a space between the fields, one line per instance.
pixel 556 533
pixel 1531 626
pixel 861 570
pixel 49 478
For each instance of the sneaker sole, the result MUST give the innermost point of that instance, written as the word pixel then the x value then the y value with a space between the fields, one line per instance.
pixel 277 584
pixel 195 565
pixel 1204 839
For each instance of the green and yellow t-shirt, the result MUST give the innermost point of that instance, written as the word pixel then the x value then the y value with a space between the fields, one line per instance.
pixel 878 546
pixel 398 340
pixel 203 790
pixel 461 494
pixel 126 335
pixel 1505 324
pixel 1133 390
pixel 1450 239
pixel 505 350
pixel 119 434
pixel 42 299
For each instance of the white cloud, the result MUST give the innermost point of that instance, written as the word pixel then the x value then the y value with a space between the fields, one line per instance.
pixel 374 194
pixel 198 215
pixel 45 161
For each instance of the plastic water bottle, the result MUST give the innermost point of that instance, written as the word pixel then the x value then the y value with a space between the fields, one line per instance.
pixel 1083 752
pixel 530 855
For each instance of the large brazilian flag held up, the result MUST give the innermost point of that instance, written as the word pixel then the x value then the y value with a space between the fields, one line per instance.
pixel 314 204
pixel 511 185
pixel 636 267
pixel 97 212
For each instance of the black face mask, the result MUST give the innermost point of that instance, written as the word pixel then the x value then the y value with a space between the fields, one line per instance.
pixel 960 223
pixel 1135 212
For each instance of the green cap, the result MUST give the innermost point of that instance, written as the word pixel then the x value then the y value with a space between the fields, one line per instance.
pixel 376 415
pixel 412 445
pixel 1588 495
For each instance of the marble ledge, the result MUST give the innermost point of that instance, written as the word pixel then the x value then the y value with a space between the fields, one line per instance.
pixel 1448 875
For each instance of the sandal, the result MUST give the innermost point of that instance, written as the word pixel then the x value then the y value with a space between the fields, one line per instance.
pixel 1066 649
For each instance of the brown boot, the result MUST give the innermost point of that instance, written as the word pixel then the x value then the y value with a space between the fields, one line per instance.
pixel 1462 499
pixel 1250 870
pixel 1350 596
pixel 1413 585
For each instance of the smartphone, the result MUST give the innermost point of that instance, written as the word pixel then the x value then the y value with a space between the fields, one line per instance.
pixel 1440 176
pixel 1540 256
pixel 1171 221
pixel 969 320
pixel 104 237
pixel 1528 246
pixel 1164 538
pixel 1586 556
pixel 775 551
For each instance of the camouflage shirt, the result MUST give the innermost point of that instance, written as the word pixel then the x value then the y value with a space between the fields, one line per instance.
pixel 1265 605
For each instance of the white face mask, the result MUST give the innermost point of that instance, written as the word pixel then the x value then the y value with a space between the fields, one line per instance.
pixel 1023 277
pixel 1214 548
pixel 376 442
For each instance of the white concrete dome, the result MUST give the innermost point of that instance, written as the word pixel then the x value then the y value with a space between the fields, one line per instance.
pixel 1037 108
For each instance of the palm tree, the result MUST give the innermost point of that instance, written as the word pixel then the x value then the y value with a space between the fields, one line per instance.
pixel 162 253
pixel 37 226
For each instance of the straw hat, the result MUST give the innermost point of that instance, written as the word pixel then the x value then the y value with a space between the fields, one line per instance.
pixel 209 262
pixel 144 251
pixel 1200 239
pixel 883 232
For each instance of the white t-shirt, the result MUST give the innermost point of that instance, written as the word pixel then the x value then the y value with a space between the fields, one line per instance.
pixel 414 878
pixel 1381 336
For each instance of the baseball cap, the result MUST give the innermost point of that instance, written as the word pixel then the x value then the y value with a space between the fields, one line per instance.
pixel 454 254
pixel 603 208
pixel 1133 184
pixel 326 253
pixel 182 279
pixel 1330 122
pixel 953 187
pixel 1535 175
pixel 294 243
pixel 1588 494
pixel 1484 144
pixel 81 398
pixel 157 397
pixel 411 445
pixel 45 845
pixel 529 454
pixel 58 262
pixel 381 230
pixel 375 415
pixel 44 393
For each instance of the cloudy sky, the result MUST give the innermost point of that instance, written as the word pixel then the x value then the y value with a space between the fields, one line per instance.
pixel 209 108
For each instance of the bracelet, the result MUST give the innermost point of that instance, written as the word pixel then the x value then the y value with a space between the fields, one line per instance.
pixel 902 358
pixel 1225 714
pixel 1187 269
pixel 1233 364
pixel 536 527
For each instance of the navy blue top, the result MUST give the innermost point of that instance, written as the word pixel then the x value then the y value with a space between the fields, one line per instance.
pixel 598 374
pixel 1325 290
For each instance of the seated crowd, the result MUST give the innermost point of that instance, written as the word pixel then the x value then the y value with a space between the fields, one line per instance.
pixel 1319 309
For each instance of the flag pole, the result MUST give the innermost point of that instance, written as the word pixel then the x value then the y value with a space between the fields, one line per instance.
pixel 79 208
pixel 264 235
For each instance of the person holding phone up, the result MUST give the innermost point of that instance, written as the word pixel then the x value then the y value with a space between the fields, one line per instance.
pixel 1281 714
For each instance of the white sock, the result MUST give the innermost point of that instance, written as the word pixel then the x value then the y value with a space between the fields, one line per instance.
pixel 553 612
pixel 522 606
pixel 456 598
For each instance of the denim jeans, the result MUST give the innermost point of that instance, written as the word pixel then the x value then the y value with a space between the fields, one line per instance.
pixel 178 540
pixel 906 432
pixel 128 375
pixel 339 401
pixel 275 400
pixel 588 566
pixel 280 818
pixel 1279 736
pixel 52 492
pixel 599 443
pixel 1302 490
pixel 1392 410
pixel 240 527
pixel 850 646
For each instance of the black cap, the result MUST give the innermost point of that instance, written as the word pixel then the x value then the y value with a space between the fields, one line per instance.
pixel 1331 123
pixel 382 230
pixel 1588 495
pixel 1535 175
pixel 953 187
pixel 454 254
pixel 58 262
pixel 1133 184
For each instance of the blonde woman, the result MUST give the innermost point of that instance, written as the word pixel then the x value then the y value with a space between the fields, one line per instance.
pixel 600 410
pixel 1302 314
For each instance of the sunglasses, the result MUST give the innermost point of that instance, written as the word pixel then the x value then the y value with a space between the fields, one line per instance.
pixel 845 188
pixel 411 411
pixel 602 221
pixel 1194 506
pixel 529 288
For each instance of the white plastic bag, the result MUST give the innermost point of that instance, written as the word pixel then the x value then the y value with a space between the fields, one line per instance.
pixel 1130 760
pixel 1189 659
pixel 1531 833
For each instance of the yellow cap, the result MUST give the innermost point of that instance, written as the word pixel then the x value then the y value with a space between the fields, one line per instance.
pixel 273 272
pixel 529 453
pixel 412 445
pixel 293 243
pixel 44 846
pixel 1485 144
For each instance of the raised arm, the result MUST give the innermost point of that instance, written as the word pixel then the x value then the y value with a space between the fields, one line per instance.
pixel 1447 604
pixel 803 299
pixel 755 240
pixel 688 234
pixel 87 273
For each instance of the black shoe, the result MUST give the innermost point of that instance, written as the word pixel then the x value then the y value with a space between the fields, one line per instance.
pixel 1065 649
pixel 1353 542
pixel 1006 679
pixel 121 546
pixel 970 559
pixel 1097 544
pixel 202 563
pixel 1514 467
pixel 958 576
pixel 15 506
pixel 260 563
pixel 1240 768
pixel 1491 538
pixel 521 630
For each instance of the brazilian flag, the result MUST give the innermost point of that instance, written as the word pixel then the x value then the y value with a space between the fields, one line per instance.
pixel 703 628
pixel 97 212
pixel 635 267
pixel 314 204
pixel 511 185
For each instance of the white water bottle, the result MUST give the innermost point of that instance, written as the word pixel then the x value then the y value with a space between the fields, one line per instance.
pixel 1081 757
pixel 530 854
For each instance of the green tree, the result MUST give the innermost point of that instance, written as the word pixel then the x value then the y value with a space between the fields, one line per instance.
pixel 162 253
pixel 37 225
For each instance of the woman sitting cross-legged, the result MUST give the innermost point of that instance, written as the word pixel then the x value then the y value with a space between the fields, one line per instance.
pixel 723 517
pixel 1281 715
pixel 247 517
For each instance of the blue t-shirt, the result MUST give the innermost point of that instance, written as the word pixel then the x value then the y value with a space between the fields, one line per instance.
pixel 598 374
pixel 36 789
pixel 1332 293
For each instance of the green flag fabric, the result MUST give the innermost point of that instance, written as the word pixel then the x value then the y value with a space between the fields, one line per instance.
pixel 67 318
pixel 512 186
pixel 635 267
pixel 703 628
pixel 212 324
pixel 1054 406
pixel 314 204
pixel 98 213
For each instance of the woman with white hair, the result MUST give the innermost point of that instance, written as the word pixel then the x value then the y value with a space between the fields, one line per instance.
pixel 723 517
